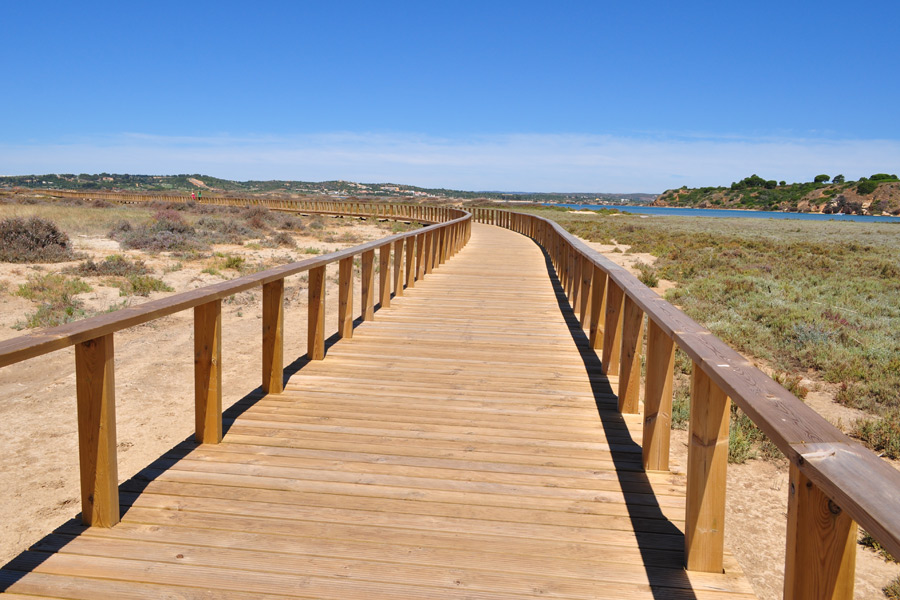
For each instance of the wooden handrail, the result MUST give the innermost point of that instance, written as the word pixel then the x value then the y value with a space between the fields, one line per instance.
pixel 94 349
pixel 835 481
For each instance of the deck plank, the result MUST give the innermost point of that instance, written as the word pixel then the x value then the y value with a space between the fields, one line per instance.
pixel 462 444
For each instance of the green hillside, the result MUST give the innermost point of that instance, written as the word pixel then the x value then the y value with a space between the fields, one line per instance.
pixel 875 195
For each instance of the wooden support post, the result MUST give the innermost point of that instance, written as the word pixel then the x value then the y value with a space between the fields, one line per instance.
pixel 612 328
pixel 345 298
pixel 658 398
pixel 420 256
pixel 429 252
pixel 384 275
pixel 584 307
pixel 398 268
pixel 704 527
pixel 368 285
pixel 630 363
pixel 821 544
pixel 208 372
pixel 95 388
pixel 598 307
pixel 315 338
pixel 410 261
pixel 273 337
pixel 576 283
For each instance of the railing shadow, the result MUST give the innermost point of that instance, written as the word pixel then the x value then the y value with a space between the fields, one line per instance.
pixel 663 581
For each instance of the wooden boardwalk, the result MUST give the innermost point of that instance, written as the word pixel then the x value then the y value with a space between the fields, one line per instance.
pixel 464 444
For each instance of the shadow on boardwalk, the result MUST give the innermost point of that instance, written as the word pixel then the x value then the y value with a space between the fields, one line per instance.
pixel 661 587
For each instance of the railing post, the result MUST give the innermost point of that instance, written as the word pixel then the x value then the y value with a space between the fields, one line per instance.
pixel 598 307
pixel 658 398
pixel 587 289
pixel 576 283
pixel 96 399
pixel 315 339
pixel 704 527
pixel 398 268
pixel 429 252
pixel 612 329
pixel 208 372
pixel 630 363
pixel 273 337
pixel 384 275
pixel 420 256
pixel 345 298
pixel 368 285
pixel 410 261
pixel 821 544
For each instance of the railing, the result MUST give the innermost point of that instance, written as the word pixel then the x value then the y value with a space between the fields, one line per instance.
pixel 426 248
pixel 350 208
pixel 835 482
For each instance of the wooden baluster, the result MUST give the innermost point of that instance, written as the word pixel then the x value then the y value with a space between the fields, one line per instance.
pixel 630 363
pixel 598 307
pixel 315 339
pixel 208 372
pixel 398 268
pixel 368 285
pixel 612 329
pixel 704 528
pixel 345 297
pixel 410 261
pixel 587 272
pixel 429 252
pixel 420 256
pixel 821 544
pixel 95 389
pixel 384 274
pixel 658 398
pixel 575 300
pixel 273 337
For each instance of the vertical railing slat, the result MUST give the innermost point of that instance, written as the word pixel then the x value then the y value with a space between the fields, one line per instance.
pixel 273 337
pixel 208 372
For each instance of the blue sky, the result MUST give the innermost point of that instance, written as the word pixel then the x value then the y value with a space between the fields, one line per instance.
pixel 528 96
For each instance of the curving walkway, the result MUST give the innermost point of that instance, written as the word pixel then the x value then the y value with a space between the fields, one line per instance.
pixel 464 444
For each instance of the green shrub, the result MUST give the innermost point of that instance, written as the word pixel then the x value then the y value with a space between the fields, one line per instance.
pixel 648 275
pixel 892 590
pixel 866 539
pixel 115 265
pixel 882 433
pixel 866 187
pixel 142 285
pixel 56 293
pixel 33 240
pixel 233 262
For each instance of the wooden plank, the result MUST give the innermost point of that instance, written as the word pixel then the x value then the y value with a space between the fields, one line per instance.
pixel 410 261
pixel 658 398
pixel 821 544
pixel 704 533
pixel 208 372
pixel 345 298
pixel 273 337
pixel 315 339
pixel 96 396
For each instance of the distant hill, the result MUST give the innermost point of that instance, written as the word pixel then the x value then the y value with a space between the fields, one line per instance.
pixel 196 182
pixel 875 195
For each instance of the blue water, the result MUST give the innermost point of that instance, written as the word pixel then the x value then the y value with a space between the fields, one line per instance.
pixel 734 214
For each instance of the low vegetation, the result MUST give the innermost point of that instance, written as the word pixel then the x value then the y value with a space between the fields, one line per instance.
pixel 811 299
pixel 33 240
pixel 55 294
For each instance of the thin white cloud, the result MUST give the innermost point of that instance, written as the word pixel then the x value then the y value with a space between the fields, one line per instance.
pixel 520 162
